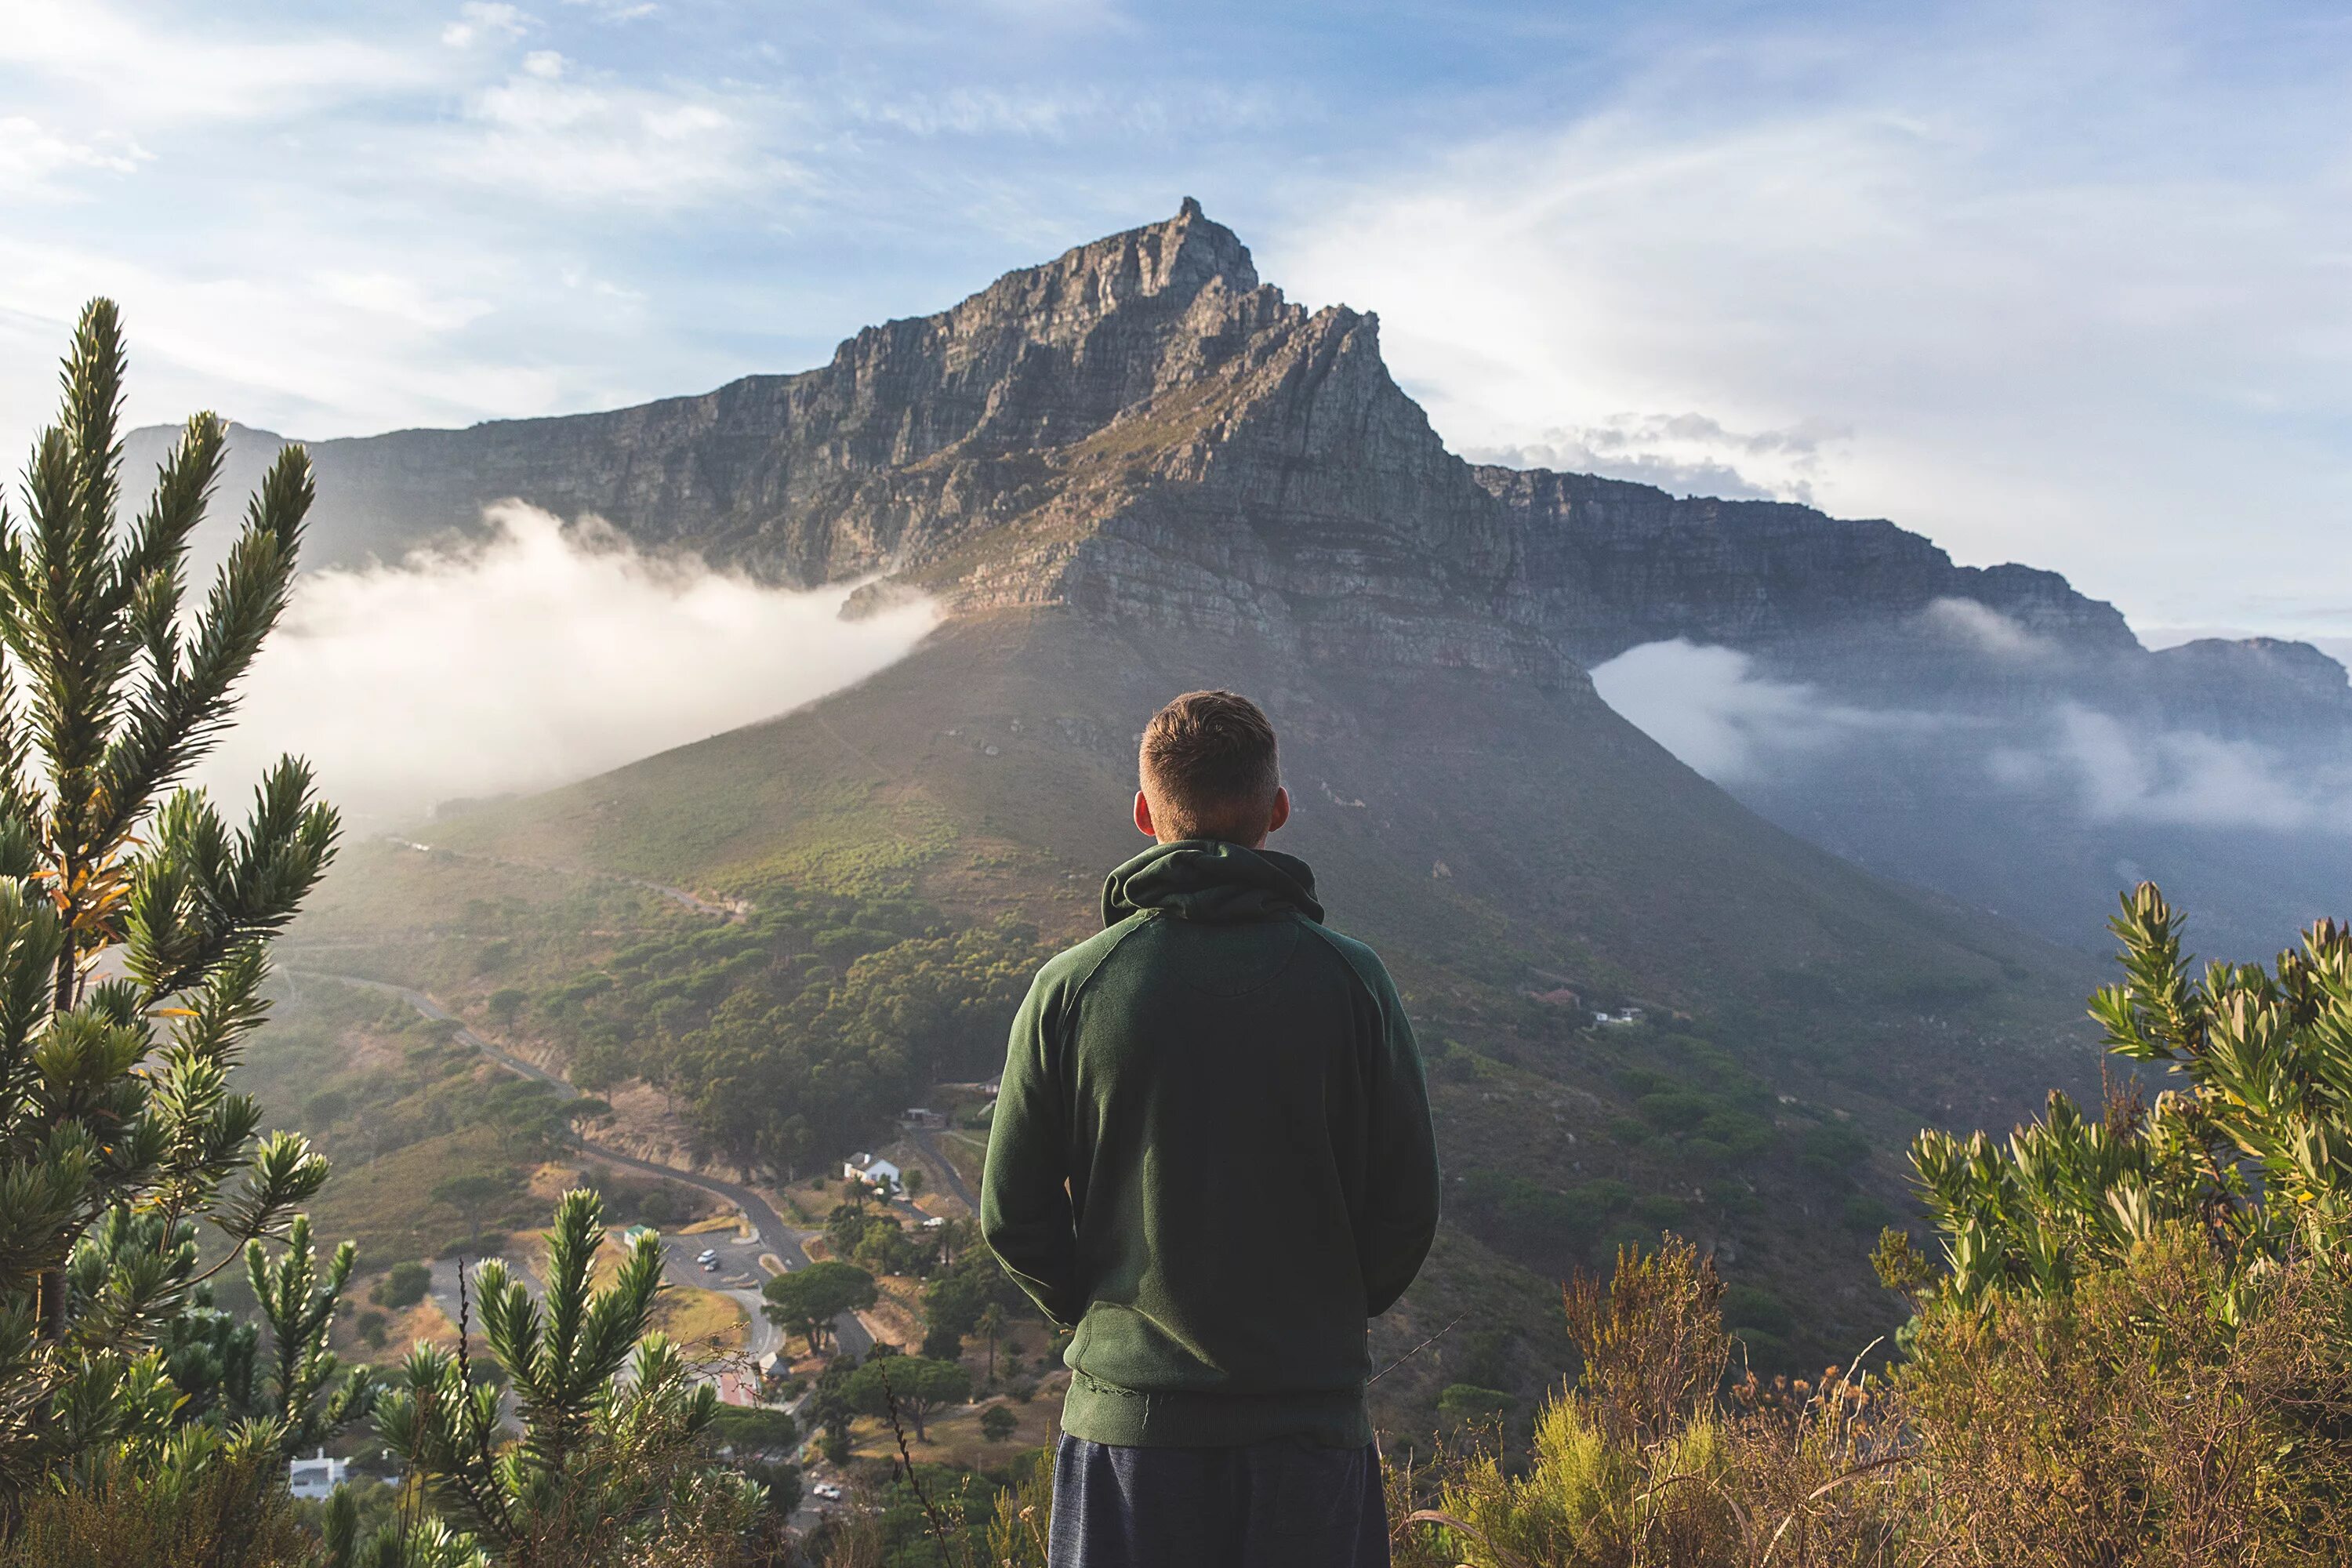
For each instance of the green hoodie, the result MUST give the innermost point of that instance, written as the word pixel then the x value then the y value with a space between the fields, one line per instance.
pixel 1211 1155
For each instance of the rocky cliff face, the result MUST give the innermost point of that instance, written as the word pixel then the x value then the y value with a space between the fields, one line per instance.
pixel 1143 433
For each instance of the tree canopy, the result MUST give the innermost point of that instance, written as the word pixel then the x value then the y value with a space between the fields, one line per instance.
pixel 806 1301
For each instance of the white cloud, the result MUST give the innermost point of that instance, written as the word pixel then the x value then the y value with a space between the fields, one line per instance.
pixel 548 133
pixel 2070 276
pixel 1686 454
pixel 1709 707
pixel 478 20
pixel 124 71
pixel 1984 629
pixel 30 154
pixel 545 654
pixel 2121 773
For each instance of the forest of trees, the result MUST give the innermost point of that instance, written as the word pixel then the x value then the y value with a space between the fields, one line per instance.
pixel 810 1024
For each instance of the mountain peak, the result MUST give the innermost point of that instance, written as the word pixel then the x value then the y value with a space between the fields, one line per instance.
pixel 1168 264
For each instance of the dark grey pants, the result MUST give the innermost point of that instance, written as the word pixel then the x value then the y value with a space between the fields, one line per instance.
pixel 1271 1505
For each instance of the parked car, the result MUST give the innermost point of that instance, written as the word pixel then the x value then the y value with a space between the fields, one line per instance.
pixel 829 1490
pixel 707 1256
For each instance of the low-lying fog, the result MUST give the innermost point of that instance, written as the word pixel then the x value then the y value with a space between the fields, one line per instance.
pixel 543 653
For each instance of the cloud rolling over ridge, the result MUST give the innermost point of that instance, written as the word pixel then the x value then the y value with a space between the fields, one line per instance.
pixel 541 654
pixel 1727 718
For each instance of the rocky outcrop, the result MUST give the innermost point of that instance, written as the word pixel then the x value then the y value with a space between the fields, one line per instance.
pixel 1142 433
pixel 1617 564
pixel 1141 429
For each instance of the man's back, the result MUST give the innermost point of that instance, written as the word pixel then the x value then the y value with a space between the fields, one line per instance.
pixel 1212 1156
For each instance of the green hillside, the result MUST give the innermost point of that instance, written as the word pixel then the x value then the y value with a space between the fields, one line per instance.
pixel 1522 857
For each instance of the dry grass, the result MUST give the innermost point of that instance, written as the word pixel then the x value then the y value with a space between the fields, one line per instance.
pixel 703 1323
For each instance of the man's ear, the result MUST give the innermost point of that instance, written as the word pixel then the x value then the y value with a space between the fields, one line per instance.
pixel 1279 814
pixel 1143 816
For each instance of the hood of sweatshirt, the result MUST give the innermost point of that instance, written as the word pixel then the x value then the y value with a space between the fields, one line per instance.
pixel 1209 880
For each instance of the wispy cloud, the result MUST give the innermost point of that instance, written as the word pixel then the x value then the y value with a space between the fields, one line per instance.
pixel 2070 278
pixel 1687 454
pixel 542 654
pixel 127 70
pixel 2116 772
pixel 31 154
pixel 1713 709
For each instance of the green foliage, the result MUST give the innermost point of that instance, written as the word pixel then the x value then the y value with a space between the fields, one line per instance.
pixel 908 1386
pixel 1467 1404
pixel 472 1194
pixel 1640 1465
pixel 1833 1150
pixel 753 1428
pixel 2127 1421
pixel 1548 1229
pixel 208 1503
pixel 2255 1147
pixel 402 1285
pixel 120 1142
pixel 807 1300
pixel 819 1014
pixel 997 1423
pixel 607 1469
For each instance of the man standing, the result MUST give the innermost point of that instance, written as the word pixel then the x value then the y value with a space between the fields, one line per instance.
pixel 1213 1159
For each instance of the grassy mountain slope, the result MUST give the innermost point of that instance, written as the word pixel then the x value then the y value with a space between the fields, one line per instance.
pixel 1503 842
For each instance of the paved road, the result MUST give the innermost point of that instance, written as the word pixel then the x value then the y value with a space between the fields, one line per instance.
pixel 925 1139
pixel 740 1274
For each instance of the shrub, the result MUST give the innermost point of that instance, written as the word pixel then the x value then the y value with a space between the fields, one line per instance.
pixel 2128 1421
pixel 1639 1465
pixel 1467 1404
pixel 402 1285
pixel 1831 1150
pixel 1746 1307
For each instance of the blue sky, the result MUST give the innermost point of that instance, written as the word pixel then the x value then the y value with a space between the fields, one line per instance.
pixel 2064 284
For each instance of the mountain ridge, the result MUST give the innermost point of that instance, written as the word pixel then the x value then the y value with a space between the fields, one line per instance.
pixel 1143 430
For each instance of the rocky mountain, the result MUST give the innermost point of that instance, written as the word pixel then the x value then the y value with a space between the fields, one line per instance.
pixel 1142 431
pixel 1138 470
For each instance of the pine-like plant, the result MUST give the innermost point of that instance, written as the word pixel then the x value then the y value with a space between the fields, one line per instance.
pixel 2253 1149
pixel 607 1468
pixel 134 930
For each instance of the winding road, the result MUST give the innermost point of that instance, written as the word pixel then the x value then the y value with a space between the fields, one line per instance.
pixel 740 1270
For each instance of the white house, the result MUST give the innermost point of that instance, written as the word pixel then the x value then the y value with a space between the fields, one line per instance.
pixel 316 1478
pixel 872 1171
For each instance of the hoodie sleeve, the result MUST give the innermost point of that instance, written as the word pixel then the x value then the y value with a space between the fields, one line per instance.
pixel 1025 1196
pixel 1401 1194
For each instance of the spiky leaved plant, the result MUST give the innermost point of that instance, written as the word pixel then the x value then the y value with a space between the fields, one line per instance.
pixel 134 922
pixel 607 1468
pixel 2253 1149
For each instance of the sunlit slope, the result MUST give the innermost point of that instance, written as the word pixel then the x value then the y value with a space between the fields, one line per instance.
pixel 1496 837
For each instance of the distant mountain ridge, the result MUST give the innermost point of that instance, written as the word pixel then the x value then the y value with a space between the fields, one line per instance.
pixel 1144 432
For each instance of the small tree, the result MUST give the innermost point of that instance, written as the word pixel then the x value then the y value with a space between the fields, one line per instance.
pixel 471 1196
pixel 908 1385
pixel 134 922
pixel 997 1423
pixel 402 1285
pixel 608 1468
pixel 992 1328
pixel 807 1300
pixel 2267 1064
